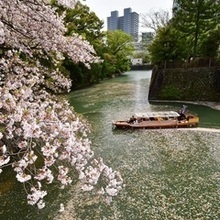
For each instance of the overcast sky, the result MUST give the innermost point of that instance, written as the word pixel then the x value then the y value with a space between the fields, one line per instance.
pixel 103 8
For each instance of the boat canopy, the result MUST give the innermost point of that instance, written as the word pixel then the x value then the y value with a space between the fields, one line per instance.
pixel 157 114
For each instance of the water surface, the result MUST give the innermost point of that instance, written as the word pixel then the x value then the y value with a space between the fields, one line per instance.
pixel 168 174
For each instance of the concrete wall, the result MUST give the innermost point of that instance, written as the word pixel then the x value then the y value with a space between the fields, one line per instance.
pixel 187 84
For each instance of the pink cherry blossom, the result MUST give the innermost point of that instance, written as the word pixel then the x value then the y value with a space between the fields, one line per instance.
pixel 23 177
pixel 4 160
pixel 42 137
pixel 36 195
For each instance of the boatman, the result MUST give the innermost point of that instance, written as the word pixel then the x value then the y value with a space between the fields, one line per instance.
pixel 182 112
pixel 132 119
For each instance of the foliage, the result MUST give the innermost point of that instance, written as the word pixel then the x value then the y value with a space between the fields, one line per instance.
pixel 42 138
pixel 118 49
pixel 211 43
pixel 168 45
pixel 192 32
pixel 170 92
pixel 80 20
pixel 144 55
pixel 195 19
pixel 84 22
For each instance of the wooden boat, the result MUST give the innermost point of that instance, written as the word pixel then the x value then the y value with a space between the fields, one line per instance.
pixel 158 120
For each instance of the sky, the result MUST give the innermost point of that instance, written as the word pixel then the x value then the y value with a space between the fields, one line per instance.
pixel 103 8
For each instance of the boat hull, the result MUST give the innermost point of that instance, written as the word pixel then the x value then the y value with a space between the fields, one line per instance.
pixel 190 121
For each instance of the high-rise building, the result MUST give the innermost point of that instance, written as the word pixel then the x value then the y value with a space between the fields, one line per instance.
pixel 113 21
pixel 128 23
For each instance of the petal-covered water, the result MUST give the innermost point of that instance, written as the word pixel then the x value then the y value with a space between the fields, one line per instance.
pixel 168 174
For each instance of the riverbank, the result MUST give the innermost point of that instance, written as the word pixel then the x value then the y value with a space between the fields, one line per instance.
pixel 213 105
pixel 192 84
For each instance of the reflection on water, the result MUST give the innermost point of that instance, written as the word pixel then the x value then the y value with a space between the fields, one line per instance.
pixel 168 174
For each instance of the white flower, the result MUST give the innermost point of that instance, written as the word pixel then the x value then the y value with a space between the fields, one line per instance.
pixel 23 144
pixel 33 115
pixel 4 160
pixel 21 164
pixel 67 3
pixel 81 175
pixel 111 191
pixel 45 173
pixel 30 157
pixel 3 149
pixel 22 177
pixel 101 191
pixel 87 187
pixel 36 196
pixel 2 33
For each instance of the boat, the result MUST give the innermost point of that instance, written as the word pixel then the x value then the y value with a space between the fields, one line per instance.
pixel 158 120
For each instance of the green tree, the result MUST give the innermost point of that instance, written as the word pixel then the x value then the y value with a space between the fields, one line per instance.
pixel 118 49
pixel 144 55
pixel 113 48
pixel 168 45
pixel 210 44
pixel 84 22
pixel 194 18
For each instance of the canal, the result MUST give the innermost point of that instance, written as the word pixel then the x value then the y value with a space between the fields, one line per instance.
pixel 168 173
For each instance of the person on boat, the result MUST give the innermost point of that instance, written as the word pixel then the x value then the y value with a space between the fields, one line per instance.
pixel 182 112
pixel 132 120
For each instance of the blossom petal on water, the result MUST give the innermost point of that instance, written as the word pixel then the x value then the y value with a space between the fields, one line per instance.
pixel 111 191
pixel 87 187
pixel 41 204
pixel 61 207
pixel 108 199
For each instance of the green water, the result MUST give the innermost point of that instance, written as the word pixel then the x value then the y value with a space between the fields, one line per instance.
pixel 168 174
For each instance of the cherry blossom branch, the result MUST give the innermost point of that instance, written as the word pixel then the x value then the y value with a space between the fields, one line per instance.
pixel 43 139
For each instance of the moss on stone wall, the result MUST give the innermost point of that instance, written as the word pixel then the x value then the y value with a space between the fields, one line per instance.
pixel 188 84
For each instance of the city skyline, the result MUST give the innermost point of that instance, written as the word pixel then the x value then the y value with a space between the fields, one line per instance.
pixel 103 8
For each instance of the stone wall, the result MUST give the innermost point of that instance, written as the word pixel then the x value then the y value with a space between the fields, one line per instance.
pixel 187 84
pixel 141 67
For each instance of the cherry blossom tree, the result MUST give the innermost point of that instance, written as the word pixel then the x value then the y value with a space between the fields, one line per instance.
pixel 41 136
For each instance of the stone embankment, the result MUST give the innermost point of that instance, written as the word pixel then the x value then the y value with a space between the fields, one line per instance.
pixel 197 85
pixel 141 67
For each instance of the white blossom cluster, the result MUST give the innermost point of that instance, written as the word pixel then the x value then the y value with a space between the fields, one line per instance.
pixel 67 3
pixel 40 135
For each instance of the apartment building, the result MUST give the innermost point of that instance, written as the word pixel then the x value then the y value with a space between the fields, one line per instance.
pixel 128 23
